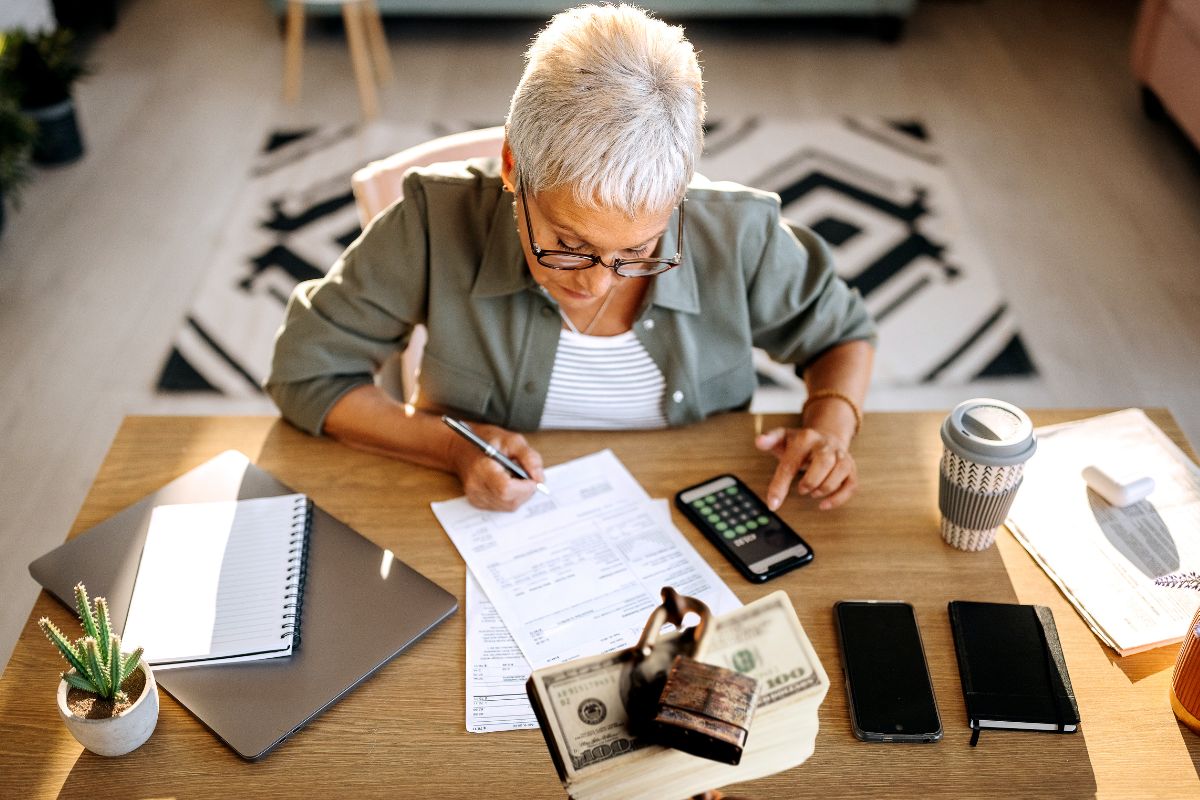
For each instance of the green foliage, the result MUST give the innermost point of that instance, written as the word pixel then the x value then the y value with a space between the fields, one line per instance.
pixel 96 656
pixel 17 133
pixel 83 607
pixel 38 70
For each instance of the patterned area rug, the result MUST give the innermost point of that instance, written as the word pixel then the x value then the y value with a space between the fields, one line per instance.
pixel 877 191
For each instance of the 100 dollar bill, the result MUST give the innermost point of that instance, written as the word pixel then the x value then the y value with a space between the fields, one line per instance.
pixel 584 705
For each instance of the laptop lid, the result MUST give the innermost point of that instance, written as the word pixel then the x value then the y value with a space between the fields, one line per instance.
pixel 362 608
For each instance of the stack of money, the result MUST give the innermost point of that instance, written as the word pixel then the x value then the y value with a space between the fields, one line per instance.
pixel 584 710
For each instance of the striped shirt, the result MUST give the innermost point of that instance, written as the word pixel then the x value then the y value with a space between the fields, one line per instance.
pixel 603 382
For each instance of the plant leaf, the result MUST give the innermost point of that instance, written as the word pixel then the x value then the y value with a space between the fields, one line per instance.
pixel 131 661
pixel 81 652
pixel 80 682
pixel 85 611
pixel 104 634
pixel 114 664
pixel 1180 580
pixel 59 640
pixel 98 672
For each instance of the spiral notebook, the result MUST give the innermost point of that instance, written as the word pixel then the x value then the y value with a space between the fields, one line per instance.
pixel 220 582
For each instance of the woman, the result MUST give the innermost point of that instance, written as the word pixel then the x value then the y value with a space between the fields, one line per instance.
pixel 585 279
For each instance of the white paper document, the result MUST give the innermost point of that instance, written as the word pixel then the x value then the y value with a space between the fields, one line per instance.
pixel 1104 558
pixel 578 573
pixel 496 670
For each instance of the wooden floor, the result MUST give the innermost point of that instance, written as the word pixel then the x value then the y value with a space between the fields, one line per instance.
pixel 1088 212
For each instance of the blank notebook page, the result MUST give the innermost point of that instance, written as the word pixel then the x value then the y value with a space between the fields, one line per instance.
pixel 217 582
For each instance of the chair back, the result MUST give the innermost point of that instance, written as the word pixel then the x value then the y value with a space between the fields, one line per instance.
pixel 381 183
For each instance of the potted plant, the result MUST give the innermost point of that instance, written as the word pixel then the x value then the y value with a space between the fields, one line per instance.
pixel 40 71
pixel 16 139
pixel 108 699
pixel 1185 681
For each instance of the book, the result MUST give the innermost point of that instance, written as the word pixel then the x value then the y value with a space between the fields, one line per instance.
pixel 1011 664
pixel 220 582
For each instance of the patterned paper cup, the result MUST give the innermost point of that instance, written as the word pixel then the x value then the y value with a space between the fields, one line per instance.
pixel 987 443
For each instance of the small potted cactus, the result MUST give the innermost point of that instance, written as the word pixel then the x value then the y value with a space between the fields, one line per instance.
pixel 1185 681
pixel 108 699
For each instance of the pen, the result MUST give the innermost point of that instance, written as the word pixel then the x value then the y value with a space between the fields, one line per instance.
pixel 464 430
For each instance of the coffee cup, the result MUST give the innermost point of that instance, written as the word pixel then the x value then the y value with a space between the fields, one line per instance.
pixel 987 443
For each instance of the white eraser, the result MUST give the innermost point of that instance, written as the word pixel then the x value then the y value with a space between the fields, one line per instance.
pixel 1115 492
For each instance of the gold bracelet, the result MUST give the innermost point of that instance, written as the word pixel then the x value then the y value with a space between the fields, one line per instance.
pixel 822 394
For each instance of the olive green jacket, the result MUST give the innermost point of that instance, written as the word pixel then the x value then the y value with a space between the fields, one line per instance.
pixel 448 256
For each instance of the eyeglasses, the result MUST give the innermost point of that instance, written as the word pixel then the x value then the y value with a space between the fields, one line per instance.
pixel 627 267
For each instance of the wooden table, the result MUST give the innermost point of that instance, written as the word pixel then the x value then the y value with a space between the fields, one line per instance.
pixel 402 733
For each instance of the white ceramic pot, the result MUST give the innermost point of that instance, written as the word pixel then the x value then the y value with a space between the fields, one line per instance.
pixel 117 735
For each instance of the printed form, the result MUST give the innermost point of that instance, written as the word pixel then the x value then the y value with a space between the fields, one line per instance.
pixel 496 670
pixel 570 575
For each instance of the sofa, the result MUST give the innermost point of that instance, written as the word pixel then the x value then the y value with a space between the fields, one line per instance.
pixel 1166 62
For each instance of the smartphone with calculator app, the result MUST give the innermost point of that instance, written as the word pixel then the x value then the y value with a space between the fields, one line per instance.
pixel 753 538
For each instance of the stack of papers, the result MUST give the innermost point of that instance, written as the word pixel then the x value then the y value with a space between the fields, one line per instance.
pixel 1104 558
pixel 570 575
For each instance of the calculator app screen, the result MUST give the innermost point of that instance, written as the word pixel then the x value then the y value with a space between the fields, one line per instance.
pixel 744 523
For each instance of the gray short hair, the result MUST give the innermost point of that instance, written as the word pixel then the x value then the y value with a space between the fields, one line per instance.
pixel 611 105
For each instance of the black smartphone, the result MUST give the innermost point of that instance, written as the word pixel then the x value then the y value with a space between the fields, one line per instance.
pixel 750 535
pixel 887 677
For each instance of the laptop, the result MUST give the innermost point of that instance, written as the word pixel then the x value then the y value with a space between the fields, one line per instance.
pixel 362 608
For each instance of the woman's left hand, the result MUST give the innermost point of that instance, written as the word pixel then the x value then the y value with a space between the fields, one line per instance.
pixel 823 461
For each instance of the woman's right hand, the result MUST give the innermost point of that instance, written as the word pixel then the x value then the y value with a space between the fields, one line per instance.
pixel 487 484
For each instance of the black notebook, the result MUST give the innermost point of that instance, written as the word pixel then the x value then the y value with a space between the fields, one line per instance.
pixel 1012 668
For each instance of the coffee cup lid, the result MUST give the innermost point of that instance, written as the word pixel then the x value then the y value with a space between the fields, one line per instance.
pixel 989 432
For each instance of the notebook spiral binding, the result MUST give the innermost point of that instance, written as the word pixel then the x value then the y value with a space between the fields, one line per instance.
pixel 297 571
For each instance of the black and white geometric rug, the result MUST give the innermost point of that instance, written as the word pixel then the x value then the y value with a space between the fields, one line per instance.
pixel 876 190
